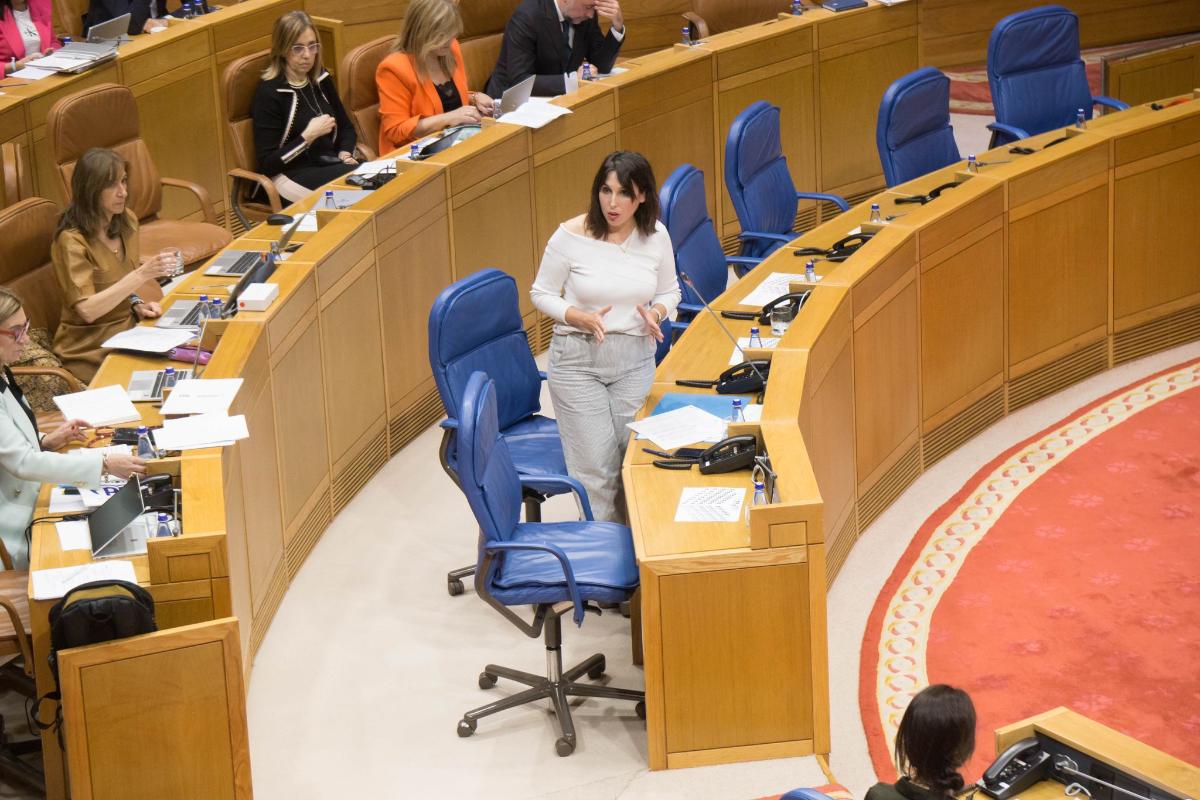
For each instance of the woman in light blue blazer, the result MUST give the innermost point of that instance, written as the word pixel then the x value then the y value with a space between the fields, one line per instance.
pixel 26 457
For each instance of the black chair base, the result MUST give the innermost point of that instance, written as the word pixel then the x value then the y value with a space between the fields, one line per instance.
pixel 557 685
pixel 15 770
pixel 533 513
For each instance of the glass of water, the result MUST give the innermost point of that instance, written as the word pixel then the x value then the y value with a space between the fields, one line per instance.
pixel 175 254
pixel 781 318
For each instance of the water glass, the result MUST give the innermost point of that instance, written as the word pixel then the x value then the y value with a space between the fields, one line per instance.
pixel 176 254
pixel 781 318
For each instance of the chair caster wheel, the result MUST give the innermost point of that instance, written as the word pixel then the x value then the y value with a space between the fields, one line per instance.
pixel 486 680
pixel 564 746
pixel 454 587
pixel 466 727
pixel 640 709
pixel 597 670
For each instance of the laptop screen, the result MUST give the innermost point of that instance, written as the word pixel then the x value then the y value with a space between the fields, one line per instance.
pixel 115 515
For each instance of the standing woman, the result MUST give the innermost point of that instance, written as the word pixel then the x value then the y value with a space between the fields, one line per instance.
pixel 302 135
pixel 26 32
pixel 935 738
pixel 608 278
pixel 26 460
pixel 95 255
pixel 423 82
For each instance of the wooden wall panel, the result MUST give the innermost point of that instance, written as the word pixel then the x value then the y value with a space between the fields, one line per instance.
pixel 1151 76
pixel 300 417
pixel 495 229
pixel 261 485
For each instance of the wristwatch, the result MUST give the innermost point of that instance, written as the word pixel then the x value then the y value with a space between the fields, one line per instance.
pixel 134 300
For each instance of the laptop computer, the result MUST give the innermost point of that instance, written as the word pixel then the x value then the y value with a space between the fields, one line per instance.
pixel 101 38
pixel 181 314
pixel 147 384
pixel 515 96
pixel 119 527
pixel 236 263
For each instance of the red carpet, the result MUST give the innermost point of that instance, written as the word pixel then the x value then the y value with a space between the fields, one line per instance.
pixel 1081 589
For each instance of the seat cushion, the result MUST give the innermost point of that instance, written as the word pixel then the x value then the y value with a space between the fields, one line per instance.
pixel 198 240
pixel 601 556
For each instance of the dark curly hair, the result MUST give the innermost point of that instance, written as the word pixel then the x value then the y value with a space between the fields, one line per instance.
pixel 936 737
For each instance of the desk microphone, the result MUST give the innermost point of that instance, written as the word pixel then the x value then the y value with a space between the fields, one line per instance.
pixel 687 279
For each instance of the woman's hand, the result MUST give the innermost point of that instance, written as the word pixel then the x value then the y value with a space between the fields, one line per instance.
pixel 148 310
pixel 348 158
pixel 70 431
pixel 465 115
pixel 318 127
pixel 122 466
pixel 485 104
pixel 589 321
pixel 653 319
pixel 155 267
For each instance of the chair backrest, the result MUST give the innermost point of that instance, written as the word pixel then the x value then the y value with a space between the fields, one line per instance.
pixel 362 94
pixel 1037 78
pixel 27 230
pixel 913 133
pixel 69 14
pixel 239 81
pixel 479 56
pixel 485 468
pixel 104 116
pixel 483 32
pixel 757 176
pixel 697 249
pixel 18 182
pixel 475 324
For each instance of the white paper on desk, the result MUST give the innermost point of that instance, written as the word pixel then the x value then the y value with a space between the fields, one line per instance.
pixel 203 430
pixel 768 343
pixel 201 396
pixel 372 167
pixel 777 284
pixel 344 198
pixel 308 222
pixel 148 339
pixel 613 71
pixel 535 114
pixel 63 503
pixel 32 73
pixel 98 407
pixel 753 412
pixel 710 504
pixel 74 535
pixel 51 584
pixel 680 426
pixel 58 61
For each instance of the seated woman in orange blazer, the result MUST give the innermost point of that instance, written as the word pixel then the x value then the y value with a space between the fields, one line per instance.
pixel 423 82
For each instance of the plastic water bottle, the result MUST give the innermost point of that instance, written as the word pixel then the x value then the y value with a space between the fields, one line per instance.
pixel 215 309
pixel 755 339
pixel 876 219
pixel 736 412
pixel 972 164
pixel 1080 119
pixel 65 39
pixel 145 446
pixel 164 527
pixel 810 272
pixel 169 378
pixel 329 201
pixel 202 311
pixel 687 35
pixel 187 11
pixel 759 499
pixel 414 151
pixel 585 71
pixel 797 8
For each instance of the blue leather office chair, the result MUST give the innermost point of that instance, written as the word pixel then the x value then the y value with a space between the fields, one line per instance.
pixel 683 208
pixel 913 134
pixel 555 566
pixel 805 794
pixel 668 330
pixel 756 174
pixel 475 323
pixel 1037 78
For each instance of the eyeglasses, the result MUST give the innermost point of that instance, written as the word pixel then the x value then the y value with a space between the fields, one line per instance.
pixel 301 49
pixel 17 332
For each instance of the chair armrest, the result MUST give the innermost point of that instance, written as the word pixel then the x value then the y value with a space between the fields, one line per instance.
pixel 449 424
pixel 542 374
pixel 567 482
pixel 837 200
pixel 202 197
pixel 696 21
pixel 678 327
pixel 364 152
pixel 23 640
pixel 689 308
pixel 73 383
pixel 568 573
pixel 742 264
pixel 261 180
pixel 1110 102
pixel 5 558
pixel 770 237
pixel 1011 131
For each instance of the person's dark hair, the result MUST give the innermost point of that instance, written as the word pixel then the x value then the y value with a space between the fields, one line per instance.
pixel 936 737
pixel 95 171
pixel 635 175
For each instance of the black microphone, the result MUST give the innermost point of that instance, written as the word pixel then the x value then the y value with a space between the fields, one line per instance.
pixel 687 279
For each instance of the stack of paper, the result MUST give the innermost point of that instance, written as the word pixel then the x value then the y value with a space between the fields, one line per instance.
pixel 74 535
pixel 776 285
pixel 32 73
pixel 710 504
pixel 79 500
pixel 201 396
pixel 535 114
pixel 373 167
pixel 98 407
pixel 148 339
pixel 51 584
pixel 200 431
pixel 680 427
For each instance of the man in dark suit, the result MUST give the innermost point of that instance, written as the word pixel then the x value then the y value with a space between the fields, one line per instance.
pixel 551 39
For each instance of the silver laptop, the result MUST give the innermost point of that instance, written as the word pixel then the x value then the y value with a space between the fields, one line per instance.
pixel 121 526
pixel 515 96
pixel 102 38
pixel 147 384
pixel 236 263
pixel 181 314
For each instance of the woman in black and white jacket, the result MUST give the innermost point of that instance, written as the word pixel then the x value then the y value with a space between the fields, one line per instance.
pixel 302 135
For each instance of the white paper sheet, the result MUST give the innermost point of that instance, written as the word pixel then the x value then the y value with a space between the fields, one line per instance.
pixel 32 73
pixel 51 584
pixel 203 430
pixel 372 167
pixel 535 114
pixel 710 504
pixel 148 339
pixel 679 427
pixel 58 61
pixel 777 284
pixel 98 407
pixel 613 71
pixel 201 396
pixel 308 222
pixel 63 503
pixel 74 535
pixel 768 343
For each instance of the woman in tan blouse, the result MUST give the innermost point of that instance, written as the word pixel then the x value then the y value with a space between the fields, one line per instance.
pixel 95 256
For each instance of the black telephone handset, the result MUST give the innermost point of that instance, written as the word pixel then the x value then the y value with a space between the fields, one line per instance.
pixel 727 455
pixel 845 247
pixel 744 378
pixel 1016 769
pixel 763 315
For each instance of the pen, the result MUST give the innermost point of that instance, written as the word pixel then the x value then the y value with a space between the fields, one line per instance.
pixel 658 453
